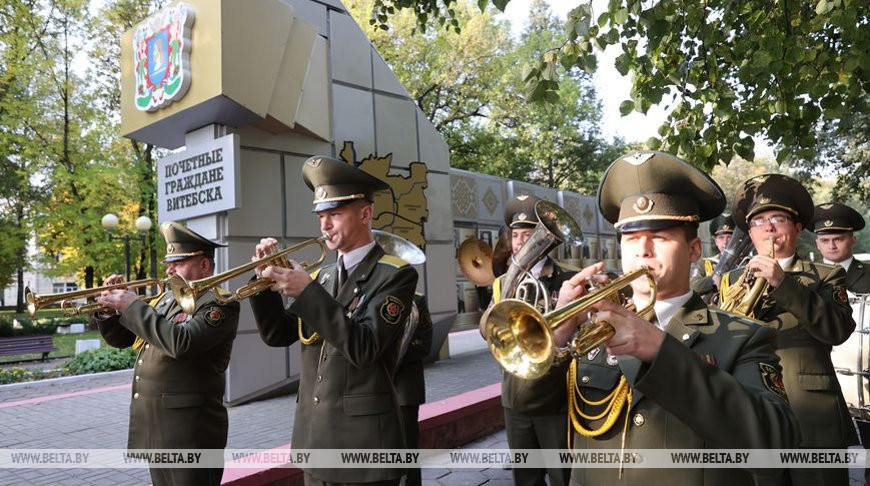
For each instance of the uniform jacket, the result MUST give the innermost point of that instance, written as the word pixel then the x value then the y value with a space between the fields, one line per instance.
pixel 544 395
pixel 714 384
pixel 858 277
pixel 810 313
pixel 178 385
pixel 410 385
pixel 346 397
pixel 702 278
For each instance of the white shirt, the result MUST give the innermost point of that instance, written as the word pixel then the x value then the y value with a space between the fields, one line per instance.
pixel 845 263
pixel 536 270
pixel 666 309
pixel 786 263
pixel 353 257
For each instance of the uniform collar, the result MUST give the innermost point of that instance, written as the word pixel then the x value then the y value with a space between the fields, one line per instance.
pixel 668 308
pixel 787 262
pixel 538 268
pixel 353 257
pixel 845 263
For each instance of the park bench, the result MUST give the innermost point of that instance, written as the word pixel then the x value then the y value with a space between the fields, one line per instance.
pixel 12 346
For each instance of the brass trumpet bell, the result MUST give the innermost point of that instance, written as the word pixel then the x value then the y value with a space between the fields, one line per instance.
pixel 475 261
pixel 36 301
pixel 522 339
pixel 186 293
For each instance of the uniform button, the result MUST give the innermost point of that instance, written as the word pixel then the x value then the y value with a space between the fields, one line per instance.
pixel 324 357
pixel 316 400
pixel 355 289
pixel 136 396
pixel 638 420
pixel 686 337
pixel 140 361
pixel 137 378
pixel 585 379
pixel 147 346
pixel 319 378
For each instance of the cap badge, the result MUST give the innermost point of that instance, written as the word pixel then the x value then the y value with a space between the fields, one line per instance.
pixel 320 193
pixel 638 158
pixel 764 200
pixel 643 205
pixel 521 217
pixel 523 197
pixel 314 162
pixel 170 248
pixel 724 227
pixel 828 222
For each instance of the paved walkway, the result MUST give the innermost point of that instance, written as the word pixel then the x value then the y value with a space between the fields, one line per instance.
pixel 92 413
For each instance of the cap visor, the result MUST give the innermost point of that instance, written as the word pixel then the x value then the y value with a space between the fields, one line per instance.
pixel 327 205
pixel 649 225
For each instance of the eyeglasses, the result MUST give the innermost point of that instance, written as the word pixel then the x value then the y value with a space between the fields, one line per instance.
pixel 774 220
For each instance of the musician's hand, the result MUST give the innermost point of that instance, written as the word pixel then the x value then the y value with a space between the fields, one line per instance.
pixel 634 336
pixel 289 282
pixel 762 266
pixel 571 290
pixel 118 299
pixel 266 247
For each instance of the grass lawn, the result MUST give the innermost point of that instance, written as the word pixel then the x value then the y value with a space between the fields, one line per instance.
pixel 40 314
pixel 65 344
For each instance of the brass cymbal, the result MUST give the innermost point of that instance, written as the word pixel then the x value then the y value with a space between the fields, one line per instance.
pixel 475 261
pixel 502 254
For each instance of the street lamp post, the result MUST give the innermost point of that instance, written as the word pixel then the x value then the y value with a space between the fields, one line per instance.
pixel 143 224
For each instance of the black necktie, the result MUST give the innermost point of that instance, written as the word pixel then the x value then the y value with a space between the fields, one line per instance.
pixel 342 272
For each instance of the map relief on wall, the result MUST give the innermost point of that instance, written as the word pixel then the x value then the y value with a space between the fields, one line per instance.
pixel 403 209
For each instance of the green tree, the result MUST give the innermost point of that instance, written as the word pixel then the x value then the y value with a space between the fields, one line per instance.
pixel 735 68
pixel 468 84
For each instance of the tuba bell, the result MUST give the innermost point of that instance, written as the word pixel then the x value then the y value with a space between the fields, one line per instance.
pixel 555 227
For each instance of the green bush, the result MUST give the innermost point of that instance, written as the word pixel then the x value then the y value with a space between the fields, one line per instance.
pixel 17 375
pixel 105 358
pixel 28 327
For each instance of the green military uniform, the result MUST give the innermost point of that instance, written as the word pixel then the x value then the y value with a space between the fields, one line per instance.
pixel 178 385
pixel 810 312
pixel 702 280
pixel 346 397
pixel 410 383
pixel 535 409
pixel 835 218
pixel 715 383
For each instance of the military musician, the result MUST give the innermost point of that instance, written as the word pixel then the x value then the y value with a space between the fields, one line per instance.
pixel 178 379
pixel 835 225
pixel 688 376
pixel 349 318
pixel 807 305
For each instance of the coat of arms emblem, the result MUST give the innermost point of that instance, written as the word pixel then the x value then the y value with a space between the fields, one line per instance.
pixel 161 57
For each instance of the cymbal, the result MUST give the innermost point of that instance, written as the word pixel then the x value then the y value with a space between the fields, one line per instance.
pixel 502 254
pixel 475 261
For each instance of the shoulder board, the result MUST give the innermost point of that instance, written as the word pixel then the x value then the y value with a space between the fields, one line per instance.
pixel 825 266
pixel 567 266
pixel 393 261
pixel 418 294
pixel 223 292
pixel 156 299
pixel 736 317
pixel 724 283
pixel 315 273
pixel 708 266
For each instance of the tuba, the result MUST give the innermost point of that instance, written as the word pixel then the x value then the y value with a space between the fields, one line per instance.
pixel 743 295
pixel 522 339
pixel 35 301
pixel 555 227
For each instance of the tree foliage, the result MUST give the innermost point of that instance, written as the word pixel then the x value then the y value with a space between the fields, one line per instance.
pixel 468 83
pixel 733 69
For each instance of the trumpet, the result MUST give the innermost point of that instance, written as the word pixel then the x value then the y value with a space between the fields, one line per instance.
pixel 36 301
pixel 522 339
pixel 743 295
pixel 186 293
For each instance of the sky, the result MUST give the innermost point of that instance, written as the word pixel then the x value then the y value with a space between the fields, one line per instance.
pixel 612 87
